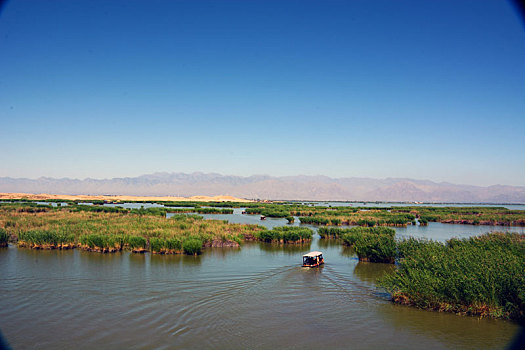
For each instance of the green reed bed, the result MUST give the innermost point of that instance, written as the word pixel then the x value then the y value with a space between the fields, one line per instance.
pixel 102 243
pixel 285 235
pixel 165 245
pixel 339 233
pixel 330 232
pixel 46 239
pixel 137 244
pixel 274 211
pixel 374 244
pixel 192 246
pixel 200 210
pixel 4 238
pixel 96 209
pixel 213 211
pixel 23 207
pixel 482 276
pixel 110 232
pixel 403 216
pixel 467 215
pixel 314 220
pixel 154 211
pixel 367 219
pixel 375 248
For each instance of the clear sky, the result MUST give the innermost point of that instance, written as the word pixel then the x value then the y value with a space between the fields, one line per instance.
pixel 420 89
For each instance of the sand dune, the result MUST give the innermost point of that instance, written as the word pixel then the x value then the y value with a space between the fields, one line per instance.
pixel 45 196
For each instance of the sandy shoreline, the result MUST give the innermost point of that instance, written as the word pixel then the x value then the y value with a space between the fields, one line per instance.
pixel 45 196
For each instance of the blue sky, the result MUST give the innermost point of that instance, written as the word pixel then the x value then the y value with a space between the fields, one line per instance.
pixel 419 89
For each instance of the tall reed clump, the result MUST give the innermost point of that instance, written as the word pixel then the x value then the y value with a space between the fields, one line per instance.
pixel 285 235
pixel 331 232
pixel 351 235
pixel 482 276
pixel 137 244
pixel 374 244
pixel 340 233
pixel 316 220
pixel 4 237
pixel 102 243
pixel 270 210
pixel 376 248
pixel 213 211
pixel 192 246
pixel 165 245
pixel 46 239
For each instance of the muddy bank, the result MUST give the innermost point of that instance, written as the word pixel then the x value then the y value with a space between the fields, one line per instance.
pixel 46 246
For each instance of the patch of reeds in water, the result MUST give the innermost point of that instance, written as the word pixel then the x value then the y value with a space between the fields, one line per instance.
pixel 192 246
pixel 137 244
pixel 285 234
pixel 44 239
pixel 378 248
pixel 165 245
pixel 374 244
pixel 4 238
pixel 102 243
pixel 314 220
pixel 483 276
pixel 270 210
pixel 331 232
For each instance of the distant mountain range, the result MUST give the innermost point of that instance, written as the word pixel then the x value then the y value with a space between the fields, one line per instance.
pixel 270 187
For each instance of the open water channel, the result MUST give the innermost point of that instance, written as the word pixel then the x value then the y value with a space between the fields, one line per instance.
pixel 257 296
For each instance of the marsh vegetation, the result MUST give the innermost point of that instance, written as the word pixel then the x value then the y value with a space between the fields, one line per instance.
pixel 479 276
pixel 4 238
pixel 285 234
pixel 482 276
pixel 391 216
pixel 112 231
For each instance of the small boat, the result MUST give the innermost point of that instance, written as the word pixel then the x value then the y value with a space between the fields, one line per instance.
pixel 313 259
pixel 263 217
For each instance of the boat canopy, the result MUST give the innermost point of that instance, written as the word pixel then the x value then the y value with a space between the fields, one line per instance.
pixel 313 254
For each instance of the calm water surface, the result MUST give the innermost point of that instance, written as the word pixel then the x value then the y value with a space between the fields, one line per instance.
pixel 253 297
pixel 399 204
pixel 326 204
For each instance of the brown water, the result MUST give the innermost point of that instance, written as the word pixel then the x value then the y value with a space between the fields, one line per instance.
pixel 254 297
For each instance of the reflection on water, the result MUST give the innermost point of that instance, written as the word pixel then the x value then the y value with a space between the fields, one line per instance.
pixel 329 243
pixel 448 328
pixel 371 272
pixel 290 249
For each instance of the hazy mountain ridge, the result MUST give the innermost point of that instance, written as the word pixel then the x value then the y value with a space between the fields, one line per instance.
pixel 269 187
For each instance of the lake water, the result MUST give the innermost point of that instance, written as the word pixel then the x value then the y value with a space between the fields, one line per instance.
pixel 332 204
pixel 257 296
pixel 399 204
pixel 435 230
